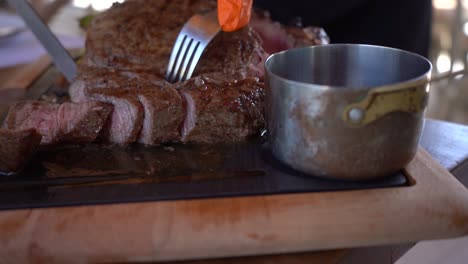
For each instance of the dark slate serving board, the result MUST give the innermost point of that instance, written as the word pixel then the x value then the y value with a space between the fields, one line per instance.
pixel 93 174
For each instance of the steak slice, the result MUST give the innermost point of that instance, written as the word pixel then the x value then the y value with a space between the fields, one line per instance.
pixel 222 108
pixel 16 149
pixel 141 101
pixel 126 120
pixel 164 115
pixel 67 122
pixel 82 122
pixel 36 115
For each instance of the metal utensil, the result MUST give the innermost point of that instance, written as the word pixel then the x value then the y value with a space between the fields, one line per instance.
pixel 190 44
pixel 346 111
pixel 62 59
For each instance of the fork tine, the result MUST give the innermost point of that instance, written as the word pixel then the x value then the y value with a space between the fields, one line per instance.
pixel 188 62
pixel 196 57
pixel 174 63
pixel 193 38
pixel 181 60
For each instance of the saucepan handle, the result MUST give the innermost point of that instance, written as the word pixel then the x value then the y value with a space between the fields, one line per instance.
pixel 411 98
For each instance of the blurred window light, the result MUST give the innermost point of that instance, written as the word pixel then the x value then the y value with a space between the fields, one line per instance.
pixel 101 5
pixel 458 65
pixel 82 3
pixel 443 62
pixel 465 28
pixel 98 5
pixel 444 4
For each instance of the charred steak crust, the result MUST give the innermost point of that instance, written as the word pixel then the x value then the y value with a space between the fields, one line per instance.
pixel 130 37
pixel 138 35
pixel 234 52
pixel 221 108
pixel 106 78
pixel 57 123
pixel 17 147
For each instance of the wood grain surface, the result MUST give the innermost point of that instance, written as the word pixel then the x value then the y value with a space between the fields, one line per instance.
pixel 436 206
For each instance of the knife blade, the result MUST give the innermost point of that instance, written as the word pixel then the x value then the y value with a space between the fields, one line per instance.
pixel 60 56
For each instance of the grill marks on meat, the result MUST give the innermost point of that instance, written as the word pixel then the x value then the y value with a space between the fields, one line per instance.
pixel 222 108
pixel 16 149
pixel 164 115
pixel 68 122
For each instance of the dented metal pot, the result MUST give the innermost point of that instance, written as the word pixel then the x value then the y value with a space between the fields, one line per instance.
pixel 346 111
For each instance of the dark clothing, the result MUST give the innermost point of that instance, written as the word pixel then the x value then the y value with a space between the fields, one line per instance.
pixel 404 24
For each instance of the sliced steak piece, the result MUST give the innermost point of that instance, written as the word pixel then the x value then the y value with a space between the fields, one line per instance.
pixel 126 120
pixel 36 115
pixel 164 115
pixel 125 90
pixel 222 108
pixel 67 122
pixel 82 122
pixel 16 149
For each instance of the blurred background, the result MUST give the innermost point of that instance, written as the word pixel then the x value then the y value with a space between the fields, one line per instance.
pixel 449 47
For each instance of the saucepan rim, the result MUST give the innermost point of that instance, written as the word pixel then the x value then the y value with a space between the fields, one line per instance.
pixel 409 82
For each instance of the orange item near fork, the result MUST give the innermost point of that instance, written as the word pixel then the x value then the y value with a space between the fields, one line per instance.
pixel 234 14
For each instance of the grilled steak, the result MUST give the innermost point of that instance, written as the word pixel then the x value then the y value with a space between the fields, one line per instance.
pixel 138 36
pixel 68 122
pixel 128 49
pixel 16 149
pixel 222 108
pixel 164 115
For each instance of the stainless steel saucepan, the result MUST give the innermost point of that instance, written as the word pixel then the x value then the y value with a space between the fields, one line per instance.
pixel 346 111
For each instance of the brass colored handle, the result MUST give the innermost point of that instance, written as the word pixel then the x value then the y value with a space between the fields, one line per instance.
pixel 382 101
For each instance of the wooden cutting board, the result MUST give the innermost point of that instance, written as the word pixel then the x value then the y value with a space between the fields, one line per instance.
pixel 434 206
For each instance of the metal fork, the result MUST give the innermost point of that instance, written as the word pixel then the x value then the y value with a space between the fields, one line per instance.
pixel 190 44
